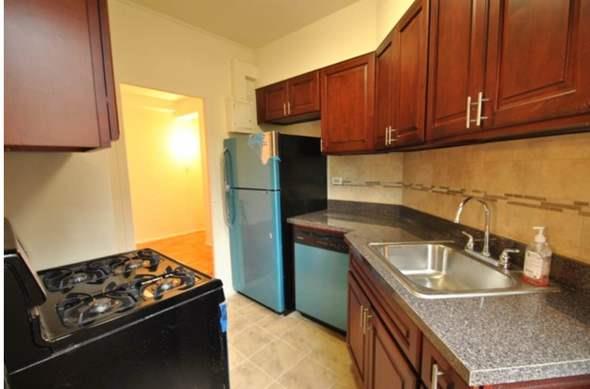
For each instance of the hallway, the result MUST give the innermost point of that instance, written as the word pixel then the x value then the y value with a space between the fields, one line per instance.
pixel 190 249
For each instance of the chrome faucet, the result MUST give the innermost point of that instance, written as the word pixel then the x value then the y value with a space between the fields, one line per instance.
pixel 488 215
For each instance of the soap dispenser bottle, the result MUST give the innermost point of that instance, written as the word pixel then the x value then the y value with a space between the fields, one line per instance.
pixel 537 260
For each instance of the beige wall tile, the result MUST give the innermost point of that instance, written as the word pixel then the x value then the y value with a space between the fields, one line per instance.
pixel 556 168
pixel 361 168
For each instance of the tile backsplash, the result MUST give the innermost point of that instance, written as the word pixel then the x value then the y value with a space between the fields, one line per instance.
pixel 540 181
pixel 369 178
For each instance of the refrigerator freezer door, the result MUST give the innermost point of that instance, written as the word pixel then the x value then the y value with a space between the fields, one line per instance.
pixel 256 247
pixel 254 161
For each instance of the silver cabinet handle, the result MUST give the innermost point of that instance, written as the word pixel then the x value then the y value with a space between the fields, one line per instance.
pixel 288 107
pixel 434 377
pixel 480 100
pixel 363 313
pixel 387 136
pixel 468 113
pixel 284 109
pixel 393 135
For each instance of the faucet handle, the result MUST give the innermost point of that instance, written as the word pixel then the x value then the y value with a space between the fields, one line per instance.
pixel 504 259
pixel 469 245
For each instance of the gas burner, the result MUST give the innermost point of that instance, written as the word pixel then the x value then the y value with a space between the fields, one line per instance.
pixel 64 280
pixel 80 309
pixel 142 259
pixel 179 278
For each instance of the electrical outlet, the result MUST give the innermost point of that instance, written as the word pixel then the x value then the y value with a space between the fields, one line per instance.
pixel 336 180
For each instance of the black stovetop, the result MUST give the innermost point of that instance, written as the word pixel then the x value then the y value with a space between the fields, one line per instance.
pixel 91 293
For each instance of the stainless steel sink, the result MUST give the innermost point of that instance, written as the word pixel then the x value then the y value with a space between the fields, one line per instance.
pixel 435 270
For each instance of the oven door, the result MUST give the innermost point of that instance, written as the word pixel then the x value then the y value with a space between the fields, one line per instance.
pixel 182 346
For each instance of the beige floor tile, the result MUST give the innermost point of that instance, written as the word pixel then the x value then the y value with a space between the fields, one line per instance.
pixel 248 376
pixel 331 353
pixel 239 322
pixel 277 357
pixel 308 374
pixel 252 339
pixel 235 357
pixel 276 385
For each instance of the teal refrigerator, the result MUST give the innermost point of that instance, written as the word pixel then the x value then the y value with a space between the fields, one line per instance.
pixel 269 177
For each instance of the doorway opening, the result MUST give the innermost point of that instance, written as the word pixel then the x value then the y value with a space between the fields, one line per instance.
pixel 165 148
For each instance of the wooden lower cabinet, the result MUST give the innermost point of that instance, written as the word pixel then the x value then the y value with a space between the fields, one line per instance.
pixel 387 367
pixel 436 367
pixel 385 360
pixel 355 336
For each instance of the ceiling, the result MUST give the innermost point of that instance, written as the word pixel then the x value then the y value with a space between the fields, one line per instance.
pixel 252 23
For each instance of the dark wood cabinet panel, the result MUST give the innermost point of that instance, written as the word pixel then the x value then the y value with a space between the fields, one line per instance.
pixel 388 368
pixel 456 64
pixel 58 75
pixel 383 92
pixel 347 105
pixel 538 61
pixel 275 101
pixel 304 94
pixel 355 335
pixel 436 367
pixel 410 51
pixel 291 101
pixel 405 332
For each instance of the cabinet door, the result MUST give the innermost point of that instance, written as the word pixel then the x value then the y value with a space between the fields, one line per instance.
pixel 456 64
pixel 435 367
pixel 383 92
pixel 347 102
pixel 410 38
pixel 388 369
pixel 275 101
pixel 58 76
pixel 304 94
pixel 537 68
pixel 356 327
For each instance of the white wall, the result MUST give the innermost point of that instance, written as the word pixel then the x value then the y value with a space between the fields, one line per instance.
pixel 346 33
pixel 154 51
pixel 61 205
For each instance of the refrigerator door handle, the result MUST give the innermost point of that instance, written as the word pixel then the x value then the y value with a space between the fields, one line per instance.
pixel 228 172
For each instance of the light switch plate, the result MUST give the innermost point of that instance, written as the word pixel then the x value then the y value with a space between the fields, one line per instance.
pixel 336 180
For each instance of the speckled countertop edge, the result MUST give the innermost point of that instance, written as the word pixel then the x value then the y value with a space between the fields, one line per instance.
pixel 486 340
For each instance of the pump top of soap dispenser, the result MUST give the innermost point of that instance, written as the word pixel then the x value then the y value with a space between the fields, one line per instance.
pixel 540 237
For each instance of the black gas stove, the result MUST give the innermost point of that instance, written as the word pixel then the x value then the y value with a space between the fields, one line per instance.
pixel 143 318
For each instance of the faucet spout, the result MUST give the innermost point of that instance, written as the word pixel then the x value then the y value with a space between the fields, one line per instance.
pixel 487 215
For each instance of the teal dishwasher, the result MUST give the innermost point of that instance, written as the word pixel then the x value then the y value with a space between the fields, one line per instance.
pixel 321 268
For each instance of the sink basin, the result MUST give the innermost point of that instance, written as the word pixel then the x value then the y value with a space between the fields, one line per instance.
pixel 435 270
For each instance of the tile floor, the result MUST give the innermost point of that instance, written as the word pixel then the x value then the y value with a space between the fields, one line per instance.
pixel 190 249
pixel 270 351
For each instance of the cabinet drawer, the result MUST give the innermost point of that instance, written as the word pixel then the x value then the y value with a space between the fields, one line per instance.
pixel 433 363
pixel 402 328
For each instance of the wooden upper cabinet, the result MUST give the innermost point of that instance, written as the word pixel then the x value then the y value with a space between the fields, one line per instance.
pixel 410 53
pixel 537 68
pixel 456 64
pixel 304 94
pixel 387 367
pixel 59 85
pixel 347 105
pixel 275 101
pixel 384 93
pixel 290 101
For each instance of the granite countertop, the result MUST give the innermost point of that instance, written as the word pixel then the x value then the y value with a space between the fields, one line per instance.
pixel 487 340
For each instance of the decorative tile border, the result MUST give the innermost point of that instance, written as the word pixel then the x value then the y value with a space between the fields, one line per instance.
pixel 581 208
